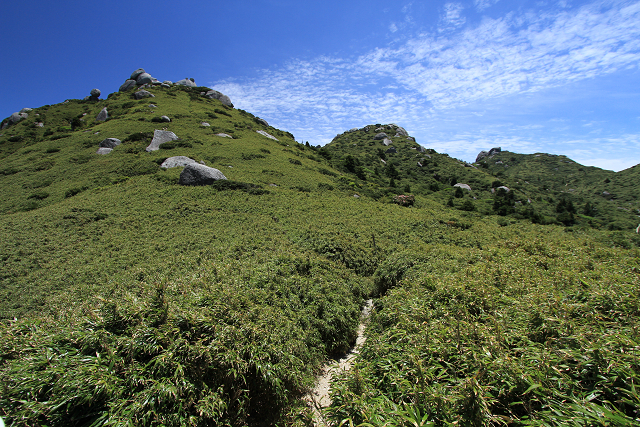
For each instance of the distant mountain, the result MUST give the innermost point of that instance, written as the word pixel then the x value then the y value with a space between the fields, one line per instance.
pixel 384 160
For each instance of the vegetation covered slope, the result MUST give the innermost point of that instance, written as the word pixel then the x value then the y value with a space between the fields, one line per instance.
pixel 128 299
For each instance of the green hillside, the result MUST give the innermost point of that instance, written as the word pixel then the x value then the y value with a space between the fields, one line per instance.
pixel 544 188
pixel 129 299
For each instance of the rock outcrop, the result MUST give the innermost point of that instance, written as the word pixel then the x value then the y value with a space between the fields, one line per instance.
pixel 176 162
pixel 197 174
pixel 127 85
pixel 14 118
pixel 387 141
pixel 214 94
pixel 261 132
pixel 159 138
pixel 488 154
pixel 380 135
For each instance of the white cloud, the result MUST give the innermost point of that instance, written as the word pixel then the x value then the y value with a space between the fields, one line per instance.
pixel 438 73
pixel 393 27
pixel 451 18
pixel 484 4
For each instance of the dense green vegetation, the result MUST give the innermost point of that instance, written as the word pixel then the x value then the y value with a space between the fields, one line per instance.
pixel 128 299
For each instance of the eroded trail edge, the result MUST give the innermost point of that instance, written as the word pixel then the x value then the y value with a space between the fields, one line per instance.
pixel 318 398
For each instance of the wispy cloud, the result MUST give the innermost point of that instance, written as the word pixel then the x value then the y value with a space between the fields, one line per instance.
pixel 441 71
pixel 452 17
pixel 484 4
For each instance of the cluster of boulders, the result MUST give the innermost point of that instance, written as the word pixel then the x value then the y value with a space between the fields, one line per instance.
pixel 489 154
pixel 141 78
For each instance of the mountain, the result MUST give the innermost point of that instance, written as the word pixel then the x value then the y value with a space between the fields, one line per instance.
pixel 132 294
pixel 385 160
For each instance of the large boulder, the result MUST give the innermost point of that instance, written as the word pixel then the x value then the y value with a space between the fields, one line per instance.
pixel 160 137
pixel 26 110
pixel 400 131
pixel 103 115
pixel 197 174
pixel 143 79
pixel 224 135
pixel 261 121
pixel 136 73
pixel 110 143
pixel 177 161
pixel 143 94
pixel 380 135
pixel 391 150
pixel 127 85
pixel 214 94
pixel 104 150
pixel 387 141
pixel 186 82
pixel 95 93
pixel 263 133
pixel 12 119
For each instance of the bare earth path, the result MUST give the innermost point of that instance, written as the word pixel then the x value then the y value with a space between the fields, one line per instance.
pixel 318 398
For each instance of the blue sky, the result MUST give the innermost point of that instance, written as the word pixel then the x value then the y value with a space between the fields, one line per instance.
pixel 529 76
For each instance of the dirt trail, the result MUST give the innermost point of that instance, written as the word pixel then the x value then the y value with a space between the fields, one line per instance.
pixel 318 398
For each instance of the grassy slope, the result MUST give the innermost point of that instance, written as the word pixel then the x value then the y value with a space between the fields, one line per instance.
pixel 147 302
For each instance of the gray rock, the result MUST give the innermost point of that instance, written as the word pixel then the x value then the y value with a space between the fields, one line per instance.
pixel 165 119
pixel 214 94
pixel 391 150
pixel 197 174
pixel 463 186
pixel 224 135
pixel 104 150
pixel 186 82
pixel 143 79
pixel 165 85
pixel 410 138
pixel 400 131
pixel 380 135
pixel 489 153
pixel 39 124
pixel 481 155
pixel 110 143
pixel 387 141
pixel 160 137
pixel 153 106
pixel 103 115
pixel 167 82
pixel 26 110
pixel 136 73
pixel 261 132
pixel 259 120
pixel 24 115
pixel 95 93
pixel 205 124
pixel 143 94
pixel 128 85
pixel 176 162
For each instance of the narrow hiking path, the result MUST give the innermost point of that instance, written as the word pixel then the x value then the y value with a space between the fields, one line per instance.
pixel 318 398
